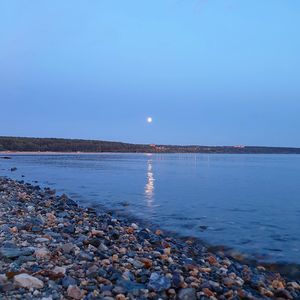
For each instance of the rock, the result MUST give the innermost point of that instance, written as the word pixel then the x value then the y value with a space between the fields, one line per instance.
pixel 67 281
pixel 14 229
pixel 75 292
pixel 41 253
pixel 13 169
pixel 97 233
pixel 28 281
pixel 69 229
pixel 294 285
pixel 137 264
pixel 94 242
pixel 59 270
pixel 130 286
pixel 276 284
pixel 92 271
pixel 51 219
pixel 67 248
pixel 30 208
pixel 282 293
pixel 158 282
pixel 120 297
pixel 12 253
pixel 208 292
pixel 147 262
pixel 187 294
pixel 71 202
pixel 119 290
pixel 177 280
pixel 212 260
pixel 3 279
pixel 229 282
pixel 134 226
pixel 41 240
pixel 266 292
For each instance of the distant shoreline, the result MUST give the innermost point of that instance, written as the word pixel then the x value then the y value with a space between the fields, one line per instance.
pixel 28 145
pixel 15 153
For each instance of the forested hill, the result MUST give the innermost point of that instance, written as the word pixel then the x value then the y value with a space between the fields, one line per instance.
pixel 25 144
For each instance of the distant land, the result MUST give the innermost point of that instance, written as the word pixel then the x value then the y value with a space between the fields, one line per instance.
pixel 28 144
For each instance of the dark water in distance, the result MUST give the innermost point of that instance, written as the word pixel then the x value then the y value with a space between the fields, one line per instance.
pixel 248 202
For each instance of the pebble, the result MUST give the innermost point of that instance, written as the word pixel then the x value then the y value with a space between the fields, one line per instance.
pixel 159 282
pixel 41 253
pixel 187 294
pixel 75 292
pixel 28 281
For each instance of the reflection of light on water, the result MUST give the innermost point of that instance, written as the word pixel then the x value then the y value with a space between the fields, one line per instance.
pixel 149 188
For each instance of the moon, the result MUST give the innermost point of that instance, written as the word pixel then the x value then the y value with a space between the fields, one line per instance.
pixel 149 120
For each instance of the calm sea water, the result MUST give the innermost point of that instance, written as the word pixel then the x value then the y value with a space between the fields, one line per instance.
pixel 248 202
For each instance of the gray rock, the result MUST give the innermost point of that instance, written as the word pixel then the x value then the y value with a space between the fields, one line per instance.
pixel 68 281
pixel 159 282
pixel 12 253
pixel 130 286
pixel 187 294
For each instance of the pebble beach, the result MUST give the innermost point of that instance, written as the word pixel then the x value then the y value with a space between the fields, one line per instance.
pixel 52 248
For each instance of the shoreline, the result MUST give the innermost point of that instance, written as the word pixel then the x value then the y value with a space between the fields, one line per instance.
pixel 87 254
pixel 32 153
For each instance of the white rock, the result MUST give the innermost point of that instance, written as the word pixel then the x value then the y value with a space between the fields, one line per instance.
pixel 41 253
pixel 27 281
pixel 134 226
pixel 30 208
pixel 59 270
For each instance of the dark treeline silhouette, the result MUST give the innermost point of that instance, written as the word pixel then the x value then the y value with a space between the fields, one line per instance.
pixel 26 144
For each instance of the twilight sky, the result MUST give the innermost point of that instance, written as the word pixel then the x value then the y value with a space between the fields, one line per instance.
pixel 210 72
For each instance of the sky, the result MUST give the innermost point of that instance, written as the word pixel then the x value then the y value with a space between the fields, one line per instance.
pixel 209 72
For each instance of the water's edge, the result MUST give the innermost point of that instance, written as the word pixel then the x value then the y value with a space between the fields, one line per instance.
pixel 289 270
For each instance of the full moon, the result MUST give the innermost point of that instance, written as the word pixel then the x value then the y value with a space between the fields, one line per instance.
pixel 149 120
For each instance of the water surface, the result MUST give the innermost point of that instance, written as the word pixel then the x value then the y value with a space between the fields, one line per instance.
pixel 248 202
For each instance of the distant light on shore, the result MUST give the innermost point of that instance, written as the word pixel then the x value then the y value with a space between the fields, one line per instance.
pixel 149 119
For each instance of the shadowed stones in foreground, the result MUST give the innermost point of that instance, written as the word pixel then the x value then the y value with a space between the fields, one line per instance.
pixel 52 249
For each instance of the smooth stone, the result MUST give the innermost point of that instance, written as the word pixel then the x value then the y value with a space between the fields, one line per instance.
pixel 94 242
pixel 130 286
pixel 67 281
pixel 187 294
pixel 59 270
pixel 159 282
pixel 75 292
pixel 41 253
pixel 67 248
pixel 15 252
pixel 41 240
pixel 28 281
pixel 69 229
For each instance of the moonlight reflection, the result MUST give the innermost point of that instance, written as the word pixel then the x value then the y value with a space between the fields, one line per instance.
pixel 149 188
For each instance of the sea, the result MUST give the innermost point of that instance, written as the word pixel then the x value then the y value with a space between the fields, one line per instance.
pixel 247 203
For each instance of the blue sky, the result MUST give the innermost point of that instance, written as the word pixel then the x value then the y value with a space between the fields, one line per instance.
pixel 208 72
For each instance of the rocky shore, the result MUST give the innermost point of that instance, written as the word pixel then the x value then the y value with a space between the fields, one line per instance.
pixel 50 248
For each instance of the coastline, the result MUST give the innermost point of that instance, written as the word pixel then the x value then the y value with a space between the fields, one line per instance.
pixel 89 255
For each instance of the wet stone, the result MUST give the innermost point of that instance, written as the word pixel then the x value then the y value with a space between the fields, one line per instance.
pixel 13 253
pixel 159 282
pixel 66 281
pixel 187 294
